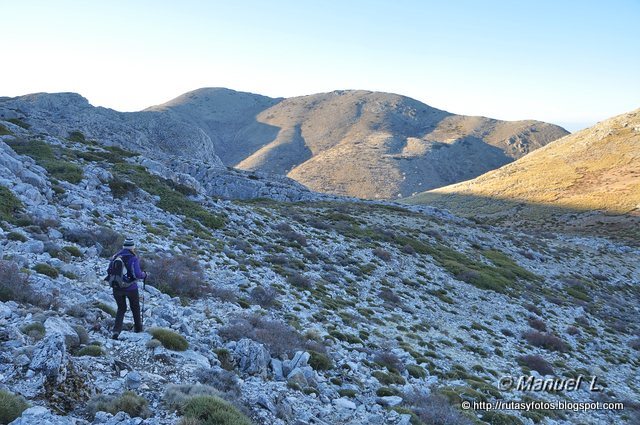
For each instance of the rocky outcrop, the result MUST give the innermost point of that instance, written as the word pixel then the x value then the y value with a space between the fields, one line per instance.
pixel 252 358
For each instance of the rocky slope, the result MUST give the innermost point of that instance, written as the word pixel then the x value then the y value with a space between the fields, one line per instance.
pixel 320 312
pixel 586 177
pixel 177 146
pixel 355 143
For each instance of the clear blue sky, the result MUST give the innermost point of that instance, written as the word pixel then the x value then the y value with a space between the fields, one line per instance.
pixel 568 62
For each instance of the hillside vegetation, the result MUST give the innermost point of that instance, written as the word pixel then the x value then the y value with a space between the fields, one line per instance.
pixel 265 312
pixel 591 177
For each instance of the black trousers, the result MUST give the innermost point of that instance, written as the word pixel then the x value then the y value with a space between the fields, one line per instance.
pixel 134 303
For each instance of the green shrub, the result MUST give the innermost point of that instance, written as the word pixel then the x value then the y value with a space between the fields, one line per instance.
pixel 176 397
pixel 170 339
pixel 91 350
pixel 107 309
pixel 76 136
pixel 50 158
pixel 128 402
pixel 19 123
pixel 4 131
pixel 416 371
pixel 74 251
pixel 35 330
pixel 390 378
pixel 225 358
pixel 17 236
pixel 120 188
pixel 320 361
pixel 173 196
pixel 46 270
pixel 386 391
pixel 499 277
pixel 11 406
pixel 344 392
pixel 212 410
pixel 10 205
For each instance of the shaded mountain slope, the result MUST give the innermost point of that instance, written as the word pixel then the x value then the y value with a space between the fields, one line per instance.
pixel 596 169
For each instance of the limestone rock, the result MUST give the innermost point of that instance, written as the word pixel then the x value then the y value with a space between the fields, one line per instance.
pixel 251 357
pixel 56 325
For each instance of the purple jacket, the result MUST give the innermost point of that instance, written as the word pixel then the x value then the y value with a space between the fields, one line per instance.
pixel 132 263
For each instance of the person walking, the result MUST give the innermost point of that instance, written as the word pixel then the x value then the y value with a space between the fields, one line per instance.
pixel 126 287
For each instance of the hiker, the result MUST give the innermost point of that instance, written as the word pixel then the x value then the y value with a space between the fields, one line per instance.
pixel 123 275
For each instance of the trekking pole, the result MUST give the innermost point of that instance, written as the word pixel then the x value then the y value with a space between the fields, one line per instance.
pixel 144 285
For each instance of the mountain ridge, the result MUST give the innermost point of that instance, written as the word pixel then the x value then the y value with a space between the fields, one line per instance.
pixel 358 142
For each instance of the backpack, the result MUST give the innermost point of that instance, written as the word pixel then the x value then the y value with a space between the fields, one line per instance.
pixel 117 273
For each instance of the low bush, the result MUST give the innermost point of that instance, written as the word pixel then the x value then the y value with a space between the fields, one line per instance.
pixel 176 275
pixel 389 296
pixel 4 131
pixel 416 371
pixel 212 410
pixel 107 309
pixel 14 286
pixel 320 361
pixel 346 392
pixel 173 196
pixel 537 363
pixel 175 397
pixel 389 360
pixel 109 240
pixel 382 254
pixel 50 158
pixel 73 251
pixel 386 392
pixel 91 350
pixel 120 188
pixel 434 409
pixel 170 340
pixel 35 330
pixel 388 378
pixel 546 340
pixel 225 381
pixel 128 402
pixel 11 406
pixel 17 236
pixel 299 280
pixel 10 205
pixel 264 297
pixel 278 337
pixel 46 270
pixel 76 136
pixel 537 324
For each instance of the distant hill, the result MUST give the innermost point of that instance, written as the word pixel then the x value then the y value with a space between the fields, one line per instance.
pixel 358 143
pixel 596 169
